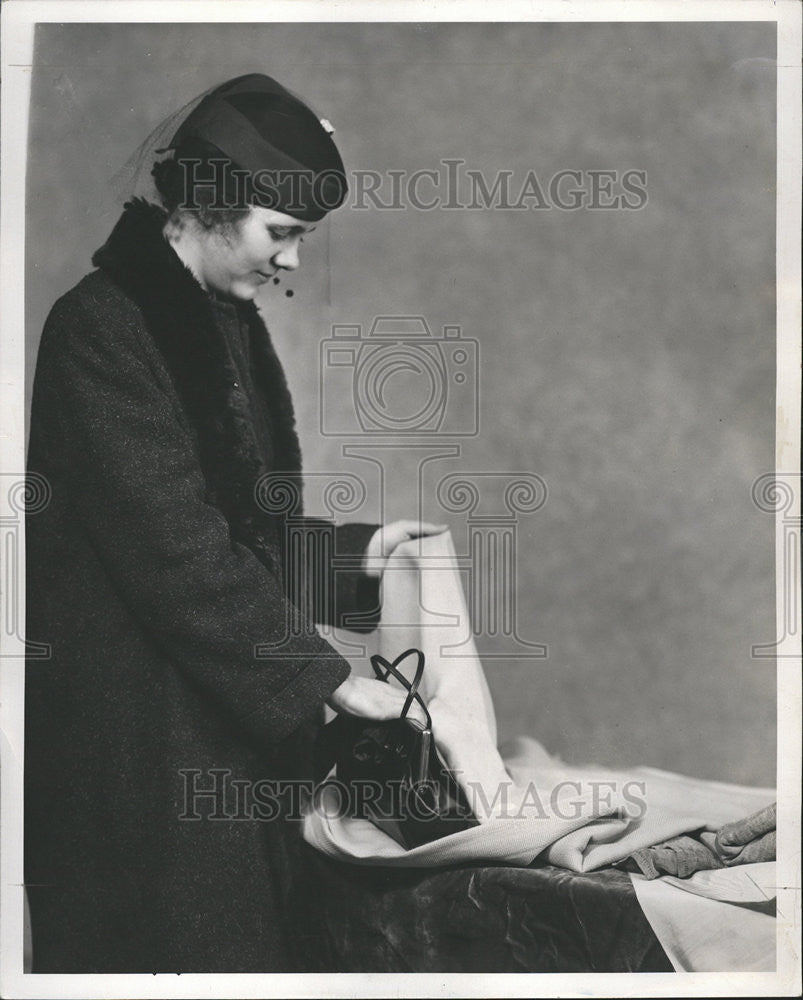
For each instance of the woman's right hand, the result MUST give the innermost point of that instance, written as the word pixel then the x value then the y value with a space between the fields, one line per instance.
pixel 371 699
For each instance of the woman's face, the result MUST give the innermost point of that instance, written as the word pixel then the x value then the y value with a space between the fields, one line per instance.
pixel 237 261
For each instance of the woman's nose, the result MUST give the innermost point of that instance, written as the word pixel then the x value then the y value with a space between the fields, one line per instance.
pixel 287 258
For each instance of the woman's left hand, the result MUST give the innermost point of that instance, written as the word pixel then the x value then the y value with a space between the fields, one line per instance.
pixel 385 539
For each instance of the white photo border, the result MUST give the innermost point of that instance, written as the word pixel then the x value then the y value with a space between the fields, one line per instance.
pixel 19 18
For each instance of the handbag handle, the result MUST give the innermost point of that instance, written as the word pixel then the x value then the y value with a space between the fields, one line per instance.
pixel 383 669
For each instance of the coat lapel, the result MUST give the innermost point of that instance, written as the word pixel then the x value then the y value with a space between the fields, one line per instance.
pixel 180 319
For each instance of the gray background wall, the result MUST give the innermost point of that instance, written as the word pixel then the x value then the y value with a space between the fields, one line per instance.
pixel 626 357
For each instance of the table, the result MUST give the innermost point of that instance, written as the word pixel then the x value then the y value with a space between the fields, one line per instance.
pixel 484 918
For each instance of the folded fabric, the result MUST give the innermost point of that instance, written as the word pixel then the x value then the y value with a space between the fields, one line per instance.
pixel 756 852
pixel 577 817
pixel 743 842
pixel 681 857
pixel 748 840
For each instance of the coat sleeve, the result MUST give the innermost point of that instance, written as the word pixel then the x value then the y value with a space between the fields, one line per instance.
pixel 336 591
pixel 137 488
pixel 357 596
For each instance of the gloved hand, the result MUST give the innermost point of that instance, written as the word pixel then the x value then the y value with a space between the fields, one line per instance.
pixel 385 539
pixel 748 840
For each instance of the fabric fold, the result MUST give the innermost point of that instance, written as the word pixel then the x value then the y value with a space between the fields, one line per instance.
pixel 529 802
pixel 535 806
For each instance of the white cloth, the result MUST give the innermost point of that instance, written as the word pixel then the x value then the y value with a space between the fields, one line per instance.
pixel 714 921
pixel 580 817
pixel 577 826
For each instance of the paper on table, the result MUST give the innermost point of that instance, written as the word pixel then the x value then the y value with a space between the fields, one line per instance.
pixel 746 884
pixel 700 932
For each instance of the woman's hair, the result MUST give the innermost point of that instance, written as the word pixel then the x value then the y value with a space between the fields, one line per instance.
pixel 200 180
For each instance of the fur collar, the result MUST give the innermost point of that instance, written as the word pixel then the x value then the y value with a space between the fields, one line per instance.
pixel 180 319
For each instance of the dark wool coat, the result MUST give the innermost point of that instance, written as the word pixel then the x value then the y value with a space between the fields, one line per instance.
pixel 153 575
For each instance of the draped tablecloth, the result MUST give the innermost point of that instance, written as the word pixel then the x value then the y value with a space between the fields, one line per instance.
pixel 471 918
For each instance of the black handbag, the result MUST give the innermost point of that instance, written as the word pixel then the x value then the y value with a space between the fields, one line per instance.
pixel 391 772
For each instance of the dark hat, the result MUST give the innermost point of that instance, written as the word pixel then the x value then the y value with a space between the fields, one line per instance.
pixel 283 150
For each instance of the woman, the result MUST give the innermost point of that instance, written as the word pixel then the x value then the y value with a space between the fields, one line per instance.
pixel 154 573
